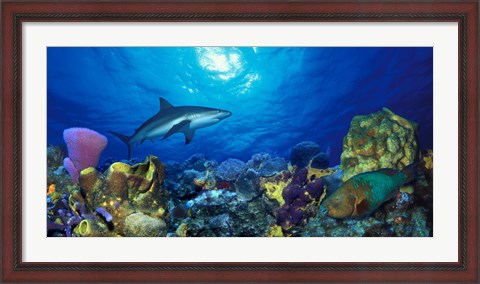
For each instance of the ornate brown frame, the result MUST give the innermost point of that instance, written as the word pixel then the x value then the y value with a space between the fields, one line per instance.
pixel 16 12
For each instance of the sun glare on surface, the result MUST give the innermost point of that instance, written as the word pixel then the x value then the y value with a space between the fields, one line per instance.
pixel 225 63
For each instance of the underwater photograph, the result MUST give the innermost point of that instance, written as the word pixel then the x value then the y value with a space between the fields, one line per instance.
pixel 243 141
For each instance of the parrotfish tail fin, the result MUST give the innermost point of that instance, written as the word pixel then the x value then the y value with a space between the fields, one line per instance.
pixel 125 139
pixel 411 171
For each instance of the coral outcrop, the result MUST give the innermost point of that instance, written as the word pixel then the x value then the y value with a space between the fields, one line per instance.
pixel 141 225
pixel 231 169
pixel 247 186
pixel 379 140
pixel 274 186
pixel 302 153
pixel 301 199
pixel 265 197
pixel 124 190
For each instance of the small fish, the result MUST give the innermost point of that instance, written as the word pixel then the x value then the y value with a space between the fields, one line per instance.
pixel 364 193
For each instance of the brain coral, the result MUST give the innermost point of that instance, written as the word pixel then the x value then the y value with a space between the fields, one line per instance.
pixel 231 169
pixel 379 140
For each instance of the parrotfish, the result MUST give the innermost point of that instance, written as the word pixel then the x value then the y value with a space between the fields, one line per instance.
pixel 365 192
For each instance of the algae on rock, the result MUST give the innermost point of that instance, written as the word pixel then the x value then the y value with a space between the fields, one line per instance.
pixel 379 140
pixel 141 225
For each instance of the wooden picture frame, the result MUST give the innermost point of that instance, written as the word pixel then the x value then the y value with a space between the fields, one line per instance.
pixel 15 13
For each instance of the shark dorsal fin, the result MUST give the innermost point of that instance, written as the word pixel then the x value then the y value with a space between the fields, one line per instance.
pixel 164 104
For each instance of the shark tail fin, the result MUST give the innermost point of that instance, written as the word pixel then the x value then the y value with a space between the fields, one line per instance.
pixel 125 139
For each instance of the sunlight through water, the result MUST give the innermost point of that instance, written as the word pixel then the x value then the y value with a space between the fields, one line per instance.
pixel 225 63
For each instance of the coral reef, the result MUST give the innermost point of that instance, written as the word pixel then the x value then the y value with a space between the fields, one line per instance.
pixel 89 228
pixel 230 169
pixel 109 161
pixel 257 160
pixel 124 190
pixel 379 140
pixel 272 167
pixel 190 183
pixel 181 231
pixel 274 186
pixel 84 149
pixel 275 231
pixel 301 198
pixel 232 217
pixel 400 217
pixel 65 214
pixel 213 198
pixel 267 166
pixel 125 201
pixel 187 179
pixel 265 197
pixel 320 161
pixel 141 225
pixel 409 213
pixel 247 186
pixel 55 156
pixel 332 178
pixel 303 152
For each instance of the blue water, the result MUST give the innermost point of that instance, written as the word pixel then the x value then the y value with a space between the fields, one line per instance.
pixel 278 96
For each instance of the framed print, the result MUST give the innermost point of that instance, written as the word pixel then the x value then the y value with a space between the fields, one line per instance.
pixel 228 141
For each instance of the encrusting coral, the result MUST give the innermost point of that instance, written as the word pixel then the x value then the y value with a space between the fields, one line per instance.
pixel 275 231
pixel 141 225
pixel 125 189
pixel 301 198
pixel 274 186
pixel 379 140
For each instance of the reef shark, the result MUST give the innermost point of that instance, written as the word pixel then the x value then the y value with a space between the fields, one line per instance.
pixel 170 120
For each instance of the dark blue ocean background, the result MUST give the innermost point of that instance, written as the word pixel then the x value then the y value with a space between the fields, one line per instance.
pixel 278 96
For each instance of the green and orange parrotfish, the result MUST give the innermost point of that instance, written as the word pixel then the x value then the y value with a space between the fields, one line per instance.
pixel 365 192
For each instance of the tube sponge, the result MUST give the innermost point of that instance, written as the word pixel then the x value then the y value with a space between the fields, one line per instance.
pixel 70 167
pixel 84 149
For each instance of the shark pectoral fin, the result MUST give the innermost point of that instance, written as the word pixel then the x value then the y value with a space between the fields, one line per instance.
pixel 189 135
pixel 181 127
